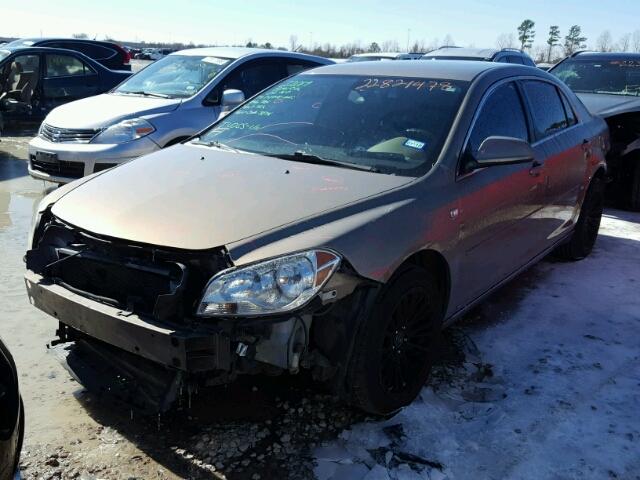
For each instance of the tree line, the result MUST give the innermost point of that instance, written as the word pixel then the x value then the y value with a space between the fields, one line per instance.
pixel 556 45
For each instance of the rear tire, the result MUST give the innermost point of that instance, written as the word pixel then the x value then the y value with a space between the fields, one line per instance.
pixel 634 198
pixel 585 232
pixel 396 345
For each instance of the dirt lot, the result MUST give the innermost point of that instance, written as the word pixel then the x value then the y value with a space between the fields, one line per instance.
pixel 540 382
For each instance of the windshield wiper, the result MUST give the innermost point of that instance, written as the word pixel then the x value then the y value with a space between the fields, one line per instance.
pixel 145 94
pixel 300 156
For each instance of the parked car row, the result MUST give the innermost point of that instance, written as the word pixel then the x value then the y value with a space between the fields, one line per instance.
pixel 164 104
pixel 334 222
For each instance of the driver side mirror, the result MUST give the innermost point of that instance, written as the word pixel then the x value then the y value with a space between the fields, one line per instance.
pixel 231 98
pixel 497 150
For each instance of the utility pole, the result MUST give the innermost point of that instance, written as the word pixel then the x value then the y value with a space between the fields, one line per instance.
pixel 408 38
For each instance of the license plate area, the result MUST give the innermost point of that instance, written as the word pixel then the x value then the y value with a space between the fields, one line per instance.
pixel 46 157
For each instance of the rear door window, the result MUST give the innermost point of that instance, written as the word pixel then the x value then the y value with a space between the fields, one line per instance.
pixel 66 66
pixel 297 66
pixel 546 106
pixel 97 52
pixel 515 59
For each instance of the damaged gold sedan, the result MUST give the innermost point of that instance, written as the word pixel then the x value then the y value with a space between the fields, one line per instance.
pixel 335 222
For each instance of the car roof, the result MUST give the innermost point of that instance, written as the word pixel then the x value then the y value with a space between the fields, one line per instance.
pixel 35 41
pixel 239 52
pixel 378 54
pixel 606 56
pixel 452 70
pixel 486 53
pixel 33 50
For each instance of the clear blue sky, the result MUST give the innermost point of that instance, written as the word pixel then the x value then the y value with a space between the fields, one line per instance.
pixel 335 21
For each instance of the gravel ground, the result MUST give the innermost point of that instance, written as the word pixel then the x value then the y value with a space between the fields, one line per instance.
pixel 285 427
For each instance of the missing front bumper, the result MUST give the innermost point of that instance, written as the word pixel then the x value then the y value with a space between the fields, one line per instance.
pixel 106 371
pixel 184 348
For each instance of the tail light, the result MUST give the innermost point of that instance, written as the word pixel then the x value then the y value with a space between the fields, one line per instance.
pixel 127 55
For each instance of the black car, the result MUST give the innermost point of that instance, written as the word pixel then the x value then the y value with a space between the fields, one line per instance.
pixel 609 86
pixel 35 80
pixel 109 54
pixel 11 416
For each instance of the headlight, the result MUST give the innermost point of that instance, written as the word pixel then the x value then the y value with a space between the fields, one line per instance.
pixel 274 286
pixel 125 131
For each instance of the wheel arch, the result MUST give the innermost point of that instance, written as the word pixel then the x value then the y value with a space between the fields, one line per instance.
pixel 433 260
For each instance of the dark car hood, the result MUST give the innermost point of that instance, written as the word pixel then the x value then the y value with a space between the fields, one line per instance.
pixel 194 197
pixel 609 105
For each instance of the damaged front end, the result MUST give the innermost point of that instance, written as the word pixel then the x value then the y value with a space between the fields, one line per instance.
pixel 131 323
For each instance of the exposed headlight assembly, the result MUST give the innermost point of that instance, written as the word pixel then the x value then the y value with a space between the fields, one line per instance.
pixel 278 285
pixel 125 131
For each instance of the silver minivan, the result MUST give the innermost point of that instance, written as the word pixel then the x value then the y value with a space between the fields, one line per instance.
pixel 165 103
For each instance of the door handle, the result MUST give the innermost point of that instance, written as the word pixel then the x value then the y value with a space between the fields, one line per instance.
pixel 535 169
pixel 586 147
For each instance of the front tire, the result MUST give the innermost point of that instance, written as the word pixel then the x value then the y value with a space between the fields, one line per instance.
pixel 585 232
pixel 395 346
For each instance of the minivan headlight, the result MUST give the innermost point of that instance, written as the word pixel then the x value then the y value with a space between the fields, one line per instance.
pixel 273 286
pixel 125 131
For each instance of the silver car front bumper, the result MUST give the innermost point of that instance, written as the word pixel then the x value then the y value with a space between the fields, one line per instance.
pixel 75 160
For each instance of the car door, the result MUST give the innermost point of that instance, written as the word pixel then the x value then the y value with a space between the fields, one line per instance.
pixel 21 86
pixel 67 78
pixel 498 204
pixel 556 130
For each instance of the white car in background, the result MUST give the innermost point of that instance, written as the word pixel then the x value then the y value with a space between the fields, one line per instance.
pixel 167 102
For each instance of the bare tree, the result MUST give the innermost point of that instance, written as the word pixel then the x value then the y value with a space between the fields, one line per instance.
pixel 293 43
pixel 604 43
pixel 539 53
pixel 80 35
pixel 636 41
pixel 390 46
pixel 448 41
pixel 506 40
pixel 433 44
pixel 625 42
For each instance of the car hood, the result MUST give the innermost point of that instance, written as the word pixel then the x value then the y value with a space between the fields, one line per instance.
pixel 103 110
pixel 194 197
pixel 609 105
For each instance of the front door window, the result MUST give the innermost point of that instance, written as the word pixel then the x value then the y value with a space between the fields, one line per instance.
pixel 19 81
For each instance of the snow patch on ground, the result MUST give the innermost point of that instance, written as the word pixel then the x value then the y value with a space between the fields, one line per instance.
pixel 549 387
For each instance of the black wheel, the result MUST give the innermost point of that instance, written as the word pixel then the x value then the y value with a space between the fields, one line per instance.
pixel 634 199
pixel 395 347
pixel 585 232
